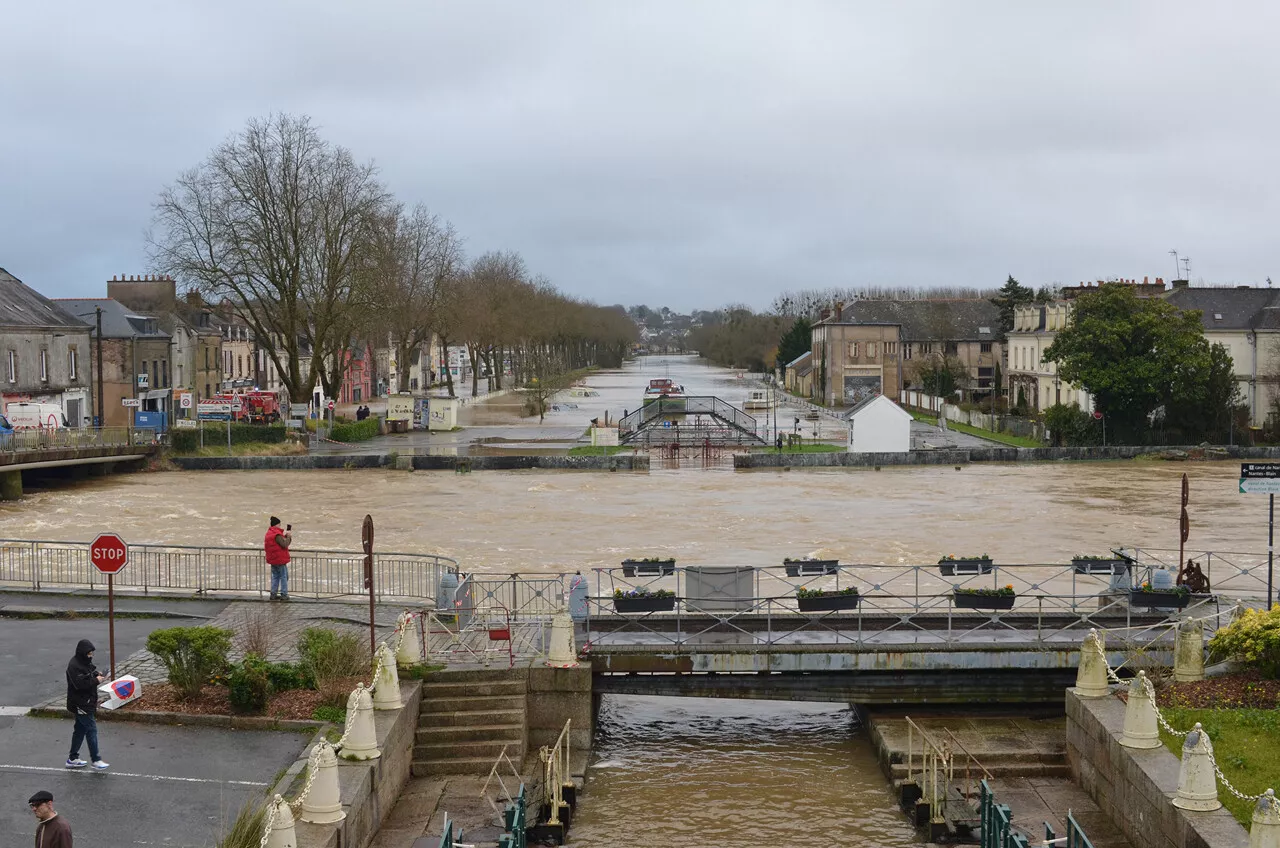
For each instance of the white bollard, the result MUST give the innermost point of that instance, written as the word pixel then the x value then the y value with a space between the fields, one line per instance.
pixel 1140 727
pixel 1188 653
pixel 282 833
pixel 362 740
pixel 323 804
pixel 410 650
pixel 1265 832
pixel 562 653
pixel 1197 784
pixel 386 683
pixel 1091 676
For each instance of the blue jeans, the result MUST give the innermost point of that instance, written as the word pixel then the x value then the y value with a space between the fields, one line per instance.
pixel 86 729
pixel 280 580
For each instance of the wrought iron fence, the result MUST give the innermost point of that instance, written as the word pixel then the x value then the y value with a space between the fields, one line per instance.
pixel 31 441
pixel 216 569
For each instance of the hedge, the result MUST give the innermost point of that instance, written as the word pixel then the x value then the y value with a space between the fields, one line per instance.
pixel 215 433
pixel 358 431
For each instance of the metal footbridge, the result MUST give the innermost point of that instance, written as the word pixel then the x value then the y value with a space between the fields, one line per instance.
pixel 689 420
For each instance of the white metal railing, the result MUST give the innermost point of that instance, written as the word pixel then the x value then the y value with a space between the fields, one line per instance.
pixel 317 573
pixel 36 440
pixel 555 774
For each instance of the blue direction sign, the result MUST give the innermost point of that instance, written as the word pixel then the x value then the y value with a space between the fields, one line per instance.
pixel 1260 478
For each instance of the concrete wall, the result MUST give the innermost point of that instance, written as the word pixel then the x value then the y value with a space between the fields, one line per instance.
pixel 1135 788
pixel 963 456
pixel 421 463
pixel 555 695
pixel 369 789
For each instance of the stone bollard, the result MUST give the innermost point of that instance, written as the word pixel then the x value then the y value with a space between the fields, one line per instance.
pixel 362 740
pixel 1197 784
pixel 323 804
pixel 1188 653
pixel 1091 676
pixel 410 650
pixel 282 833
pixel 386 683
pixel 562 653
pixel 1140 727
pixel 1265 832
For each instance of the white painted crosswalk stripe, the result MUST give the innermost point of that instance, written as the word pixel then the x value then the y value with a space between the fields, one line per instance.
pixel 14 711
pixel 19 767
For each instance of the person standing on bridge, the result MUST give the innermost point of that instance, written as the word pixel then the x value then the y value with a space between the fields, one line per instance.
pixel 82 702
pixel 276 547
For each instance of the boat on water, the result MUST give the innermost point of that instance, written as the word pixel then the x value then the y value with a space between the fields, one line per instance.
pixel 663 387
pixel 759 399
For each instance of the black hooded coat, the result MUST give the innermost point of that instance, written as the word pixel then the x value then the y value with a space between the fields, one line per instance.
pixel 82 680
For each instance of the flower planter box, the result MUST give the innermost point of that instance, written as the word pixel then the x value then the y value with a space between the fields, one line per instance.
pixel 968 600
pixel 828 603
pixel 644 604
pixel 952 567
pixel 1098 566
pixel 1162 600
pixel 637 568
pixel 811 567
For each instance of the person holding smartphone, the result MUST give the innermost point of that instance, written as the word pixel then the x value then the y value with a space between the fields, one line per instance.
pixel 276 547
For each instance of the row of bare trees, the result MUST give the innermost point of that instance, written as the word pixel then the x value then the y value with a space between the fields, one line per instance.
pixel 313 251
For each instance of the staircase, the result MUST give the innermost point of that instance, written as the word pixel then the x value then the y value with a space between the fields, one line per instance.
pixel 466 719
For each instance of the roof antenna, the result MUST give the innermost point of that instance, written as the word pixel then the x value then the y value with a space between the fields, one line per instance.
pixel 1268 282
pixel 1186 268
pixel 1176 268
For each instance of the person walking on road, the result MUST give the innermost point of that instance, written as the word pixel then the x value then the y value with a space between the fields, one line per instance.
pixel 53 830
pixel 82 702
pixel 276 547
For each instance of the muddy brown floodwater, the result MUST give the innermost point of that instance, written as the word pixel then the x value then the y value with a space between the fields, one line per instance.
pixel 698 772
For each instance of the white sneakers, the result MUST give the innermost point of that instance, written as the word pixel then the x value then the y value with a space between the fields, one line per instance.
pixel 76 764
pixel 100 765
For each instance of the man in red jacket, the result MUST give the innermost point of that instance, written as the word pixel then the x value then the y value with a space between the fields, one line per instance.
pixel 53 830
pixel 276 547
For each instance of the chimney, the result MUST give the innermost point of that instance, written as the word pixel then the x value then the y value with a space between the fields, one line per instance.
pixel 193 297
pixel 839 310
pixel 1181 284
pixel 824 314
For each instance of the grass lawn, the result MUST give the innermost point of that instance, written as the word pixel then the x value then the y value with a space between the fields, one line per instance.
pixel 212 448
pixel 601 450
pixel 920 416
pixel 1246 744
pixel 1003 438
pixel 811 447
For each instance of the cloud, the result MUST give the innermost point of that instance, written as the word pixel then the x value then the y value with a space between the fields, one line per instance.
pixel 687 154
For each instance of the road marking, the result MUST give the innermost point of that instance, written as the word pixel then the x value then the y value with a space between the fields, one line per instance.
pixel 14 711
pixel 17 767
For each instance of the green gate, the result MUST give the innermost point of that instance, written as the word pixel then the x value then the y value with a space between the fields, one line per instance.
pixel 513 819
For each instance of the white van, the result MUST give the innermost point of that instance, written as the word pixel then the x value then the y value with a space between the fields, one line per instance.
pixel 35 416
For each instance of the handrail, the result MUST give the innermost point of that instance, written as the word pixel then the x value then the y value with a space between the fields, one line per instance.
pixel 556 776
pixel 37 440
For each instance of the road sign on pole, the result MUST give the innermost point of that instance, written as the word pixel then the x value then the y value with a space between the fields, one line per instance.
pixel 1263 478
pixel 109 554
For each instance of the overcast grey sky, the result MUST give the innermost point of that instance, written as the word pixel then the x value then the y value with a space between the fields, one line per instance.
pixel 687 153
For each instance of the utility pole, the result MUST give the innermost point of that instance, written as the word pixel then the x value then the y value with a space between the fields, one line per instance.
pixel 101 411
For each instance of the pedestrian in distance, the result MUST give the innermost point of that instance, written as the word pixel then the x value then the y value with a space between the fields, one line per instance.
pixel 82 702
pixel 53 830
pixel 276 547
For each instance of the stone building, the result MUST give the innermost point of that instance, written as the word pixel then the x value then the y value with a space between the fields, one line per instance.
pixel 47 352
pixel 195 335
pixel 135 358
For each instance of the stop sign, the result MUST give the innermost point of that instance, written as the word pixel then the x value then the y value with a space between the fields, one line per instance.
pixel 109 554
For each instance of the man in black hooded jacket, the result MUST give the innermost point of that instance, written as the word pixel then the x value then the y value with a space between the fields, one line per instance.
pixel 82 702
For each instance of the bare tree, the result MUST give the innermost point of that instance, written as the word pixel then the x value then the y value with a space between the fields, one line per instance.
pixel 278 222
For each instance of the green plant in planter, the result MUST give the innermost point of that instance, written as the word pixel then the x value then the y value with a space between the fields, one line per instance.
pixel 249 685
pixel 953 558
pixel 1172 590
pixel 643 592
pixel 995 593
pixel 1253 640
pixel 654 559
pixel 1096 558
pixel 803 592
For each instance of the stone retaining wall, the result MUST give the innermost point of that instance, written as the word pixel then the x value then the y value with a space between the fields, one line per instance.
pixel 1135 787
pixel 621 462
pixel 555 695
pixel 963 456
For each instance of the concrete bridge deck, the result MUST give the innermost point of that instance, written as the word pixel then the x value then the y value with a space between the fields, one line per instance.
pixel 90 448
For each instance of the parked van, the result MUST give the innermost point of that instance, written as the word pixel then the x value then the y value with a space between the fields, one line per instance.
pixel 35 416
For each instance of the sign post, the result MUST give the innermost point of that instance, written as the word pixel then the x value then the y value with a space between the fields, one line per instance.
pixel 109 554
pixel 1263 478
pixel 366 538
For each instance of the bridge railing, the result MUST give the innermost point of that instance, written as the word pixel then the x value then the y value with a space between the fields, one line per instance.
pixel 1232 572
pixel 694 405
pixel 1050 603
pixel 316 573
pixel 29 441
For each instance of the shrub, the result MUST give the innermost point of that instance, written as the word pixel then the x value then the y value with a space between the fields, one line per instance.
pixel 246 830
pixel 1072 426
pixel 331 660
pixel 249 685
pixel 359 431
pixel 215 433
pixel 255 632
pixel 1253 640
pixel 285 676
pixel 191 655
pixel 337 715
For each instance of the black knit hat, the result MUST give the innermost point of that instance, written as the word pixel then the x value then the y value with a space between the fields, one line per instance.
pixel 40 797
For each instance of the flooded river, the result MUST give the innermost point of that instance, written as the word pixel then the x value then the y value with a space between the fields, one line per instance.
pixel 706 773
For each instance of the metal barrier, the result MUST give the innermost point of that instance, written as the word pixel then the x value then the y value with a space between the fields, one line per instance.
pixel 448 839
pixel 556 779
pixel 998 829
pixel 216 569
pixel 514 821
pixel 1075 837
pixel 933 789
pixel 32 441
pixel 516 596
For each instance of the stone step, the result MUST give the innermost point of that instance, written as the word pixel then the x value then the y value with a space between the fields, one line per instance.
pixel 475 676
pixel 462 689
pixel 511 733
pixel 470 718
pixel 470 765
pixel 433 752
pixel 473 704
pixel 1025 769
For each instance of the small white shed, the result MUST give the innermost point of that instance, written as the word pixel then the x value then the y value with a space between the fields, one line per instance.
pixel 878 425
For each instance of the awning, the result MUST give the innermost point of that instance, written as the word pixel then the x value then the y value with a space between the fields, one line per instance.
pixel 156 394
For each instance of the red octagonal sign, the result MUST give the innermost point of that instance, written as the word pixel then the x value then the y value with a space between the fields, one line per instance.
pixel 109 554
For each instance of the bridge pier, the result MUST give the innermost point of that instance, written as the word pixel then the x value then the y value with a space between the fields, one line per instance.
pixel 10 485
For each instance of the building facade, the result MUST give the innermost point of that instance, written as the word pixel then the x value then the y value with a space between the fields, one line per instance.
pixel 1032 381
pixel 135 358
pixel 46 353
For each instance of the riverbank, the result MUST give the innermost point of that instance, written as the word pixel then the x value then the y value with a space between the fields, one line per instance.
pixel 965 456
pixel 463 464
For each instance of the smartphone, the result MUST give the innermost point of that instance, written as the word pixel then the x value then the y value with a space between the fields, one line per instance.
pixel 288 527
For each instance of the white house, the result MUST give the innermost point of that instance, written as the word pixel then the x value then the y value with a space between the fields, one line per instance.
pixel 878 425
